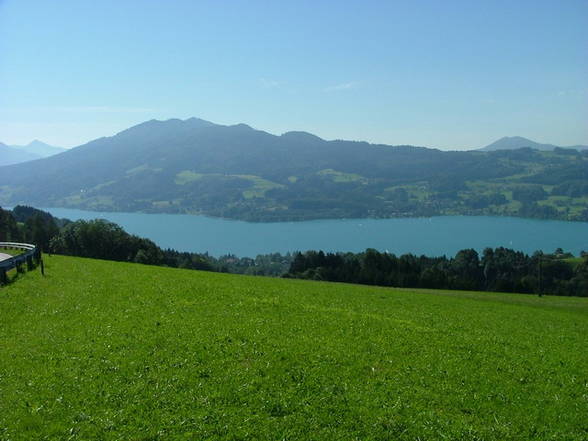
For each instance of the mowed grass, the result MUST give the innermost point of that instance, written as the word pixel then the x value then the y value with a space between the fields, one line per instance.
pixel 10 251
pixel 101 350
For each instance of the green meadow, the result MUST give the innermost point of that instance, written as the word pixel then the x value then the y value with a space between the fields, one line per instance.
pixel 99 350
pixel 10 251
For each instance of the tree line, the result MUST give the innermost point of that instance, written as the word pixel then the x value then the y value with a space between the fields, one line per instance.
pixel 101 239
pixel 499 269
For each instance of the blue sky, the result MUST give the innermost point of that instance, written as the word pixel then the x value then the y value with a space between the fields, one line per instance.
pixel 446 74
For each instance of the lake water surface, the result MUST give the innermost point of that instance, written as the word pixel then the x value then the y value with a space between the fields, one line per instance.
pixel 431 236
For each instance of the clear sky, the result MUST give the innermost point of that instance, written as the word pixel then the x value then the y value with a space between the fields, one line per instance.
pixel 439 73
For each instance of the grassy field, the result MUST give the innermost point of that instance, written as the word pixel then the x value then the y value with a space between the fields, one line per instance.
pixel 11 251
pixel 111 351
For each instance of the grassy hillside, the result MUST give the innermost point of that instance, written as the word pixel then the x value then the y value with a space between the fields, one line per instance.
pixel 100 350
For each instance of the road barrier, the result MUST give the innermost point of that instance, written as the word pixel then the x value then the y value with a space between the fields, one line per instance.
pixel 31 257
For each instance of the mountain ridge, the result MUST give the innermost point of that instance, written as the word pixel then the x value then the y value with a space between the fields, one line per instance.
pixel 14 154
pixel 10 155
pixel 40 148
pixel 517 142
pixel 235 171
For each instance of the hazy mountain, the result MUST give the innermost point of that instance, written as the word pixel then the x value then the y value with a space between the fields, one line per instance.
pixel 196 166
pixel 10 155
pixel 40 149
pixel 517 142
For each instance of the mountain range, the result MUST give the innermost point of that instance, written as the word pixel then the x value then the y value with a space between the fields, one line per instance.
pixel 195 166
pixel 518 142
pixel 40 148
pixel 14 154
pixel 10 155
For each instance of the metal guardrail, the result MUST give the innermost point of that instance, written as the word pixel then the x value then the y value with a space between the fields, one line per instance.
pixel 31 257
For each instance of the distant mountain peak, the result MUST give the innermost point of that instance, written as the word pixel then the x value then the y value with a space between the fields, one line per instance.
pixel 518 142
pixel 194 120
pixel 242 126
pixel 154 125
pixel 301 135
pixel 516 139
pixel 13 155
pixel 38 143
pixel 37 149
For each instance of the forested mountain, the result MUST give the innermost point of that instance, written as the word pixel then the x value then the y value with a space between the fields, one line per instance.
pixel 194 166
pixel 518 142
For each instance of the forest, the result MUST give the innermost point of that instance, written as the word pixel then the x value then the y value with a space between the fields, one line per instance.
pixel 101 239
pixel 498 269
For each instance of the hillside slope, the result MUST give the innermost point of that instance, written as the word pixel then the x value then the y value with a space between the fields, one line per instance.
pixel 195 166
pixel 100 350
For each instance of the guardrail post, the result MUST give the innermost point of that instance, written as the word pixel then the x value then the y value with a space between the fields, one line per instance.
pixel 31 257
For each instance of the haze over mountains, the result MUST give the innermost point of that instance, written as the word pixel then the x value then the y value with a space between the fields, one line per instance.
pixel 10 155
pixel 14 154
pixel 195 166
pixel 518 142
pixel 40 148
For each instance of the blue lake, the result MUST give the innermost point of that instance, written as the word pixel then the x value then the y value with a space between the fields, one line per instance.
pixel 431 236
